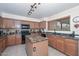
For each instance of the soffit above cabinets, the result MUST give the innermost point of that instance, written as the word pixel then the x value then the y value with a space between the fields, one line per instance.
pixel 44 10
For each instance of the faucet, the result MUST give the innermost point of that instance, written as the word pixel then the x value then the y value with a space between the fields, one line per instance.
pixel 73 34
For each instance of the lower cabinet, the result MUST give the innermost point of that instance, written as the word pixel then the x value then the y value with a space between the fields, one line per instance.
pixel 60 44
pixel 52 41
pixel 18 39
pixel 67 46
pixel 71 47
pixel 3 43
pixel 11 40
pixel 14 39
pixel 0 46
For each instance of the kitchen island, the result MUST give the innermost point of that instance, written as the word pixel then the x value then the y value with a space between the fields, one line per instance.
pixel 36 45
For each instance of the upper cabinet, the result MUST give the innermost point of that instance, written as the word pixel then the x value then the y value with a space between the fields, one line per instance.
pixel 43 24
pixel 61 24
pixel 27 22
pixel 1 22
pixel 36 25
pixel 8 23
pixel 32 24
pixel 12 23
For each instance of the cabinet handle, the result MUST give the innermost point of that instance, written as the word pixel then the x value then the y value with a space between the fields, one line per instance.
pixel 34 49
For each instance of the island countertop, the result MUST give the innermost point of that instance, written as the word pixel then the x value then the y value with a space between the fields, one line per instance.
pixel 36 38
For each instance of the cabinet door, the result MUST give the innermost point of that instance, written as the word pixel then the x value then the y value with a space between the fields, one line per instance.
pixel 18 39
pixel 43 24
pixel 60 44
pixel 36 25
pixel 3 44
pixel 0 46
pixel 50 40
pixel 70 47
pixel 1 22
pixel 8 23
pixel 5 23
pixel 54 42
pixel 11 40
pixel 11 23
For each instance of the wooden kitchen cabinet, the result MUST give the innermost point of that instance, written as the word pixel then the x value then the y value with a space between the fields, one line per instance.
pixel 67 46
pixel 3 42
pixel 25 22
pixel 18 39
pixel 36 25
pixel 52 41
pixel 1 22
pixel 0 46
pixel 11 40
pixel 42 24
pixel 60 44
pixel 8 23
pixel 71 47
pixel 14 39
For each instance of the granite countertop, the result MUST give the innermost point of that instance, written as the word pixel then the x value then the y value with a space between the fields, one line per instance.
pixel 66 36
pixel 36 38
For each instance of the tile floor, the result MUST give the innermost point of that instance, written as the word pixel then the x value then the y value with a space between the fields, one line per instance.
pixel 19 50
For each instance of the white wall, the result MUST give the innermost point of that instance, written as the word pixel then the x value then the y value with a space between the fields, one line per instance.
pixel 8 15
pixel 73 12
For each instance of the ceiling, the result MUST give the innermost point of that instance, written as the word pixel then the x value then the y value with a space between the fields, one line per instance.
pixel 44 10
